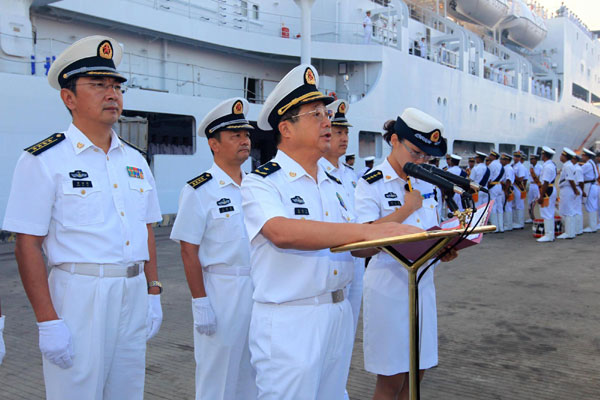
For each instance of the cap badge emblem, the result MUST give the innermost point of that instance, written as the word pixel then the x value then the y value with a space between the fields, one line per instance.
pixel 435 136
pixel 342 108
pixel 309 77
pixel 238 107
pixel 105 50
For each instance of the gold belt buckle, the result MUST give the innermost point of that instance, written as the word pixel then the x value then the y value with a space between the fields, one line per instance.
pixel 337 296
pixel 133 270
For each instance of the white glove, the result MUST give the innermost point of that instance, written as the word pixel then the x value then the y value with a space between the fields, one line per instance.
pixel 205 320
pixel 55 343
pixel 2 347
pixel 154 316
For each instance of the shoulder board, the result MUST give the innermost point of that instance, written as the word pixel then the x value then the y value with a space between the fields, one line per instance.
pixel 333 178
pixel 267 169
pixel 132 146
pixel 199 180
pixel 45 144
pixel 373 176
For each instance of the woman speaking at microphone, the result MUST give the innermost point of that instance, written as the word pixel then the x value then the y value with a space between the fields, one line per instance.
pixel 388 194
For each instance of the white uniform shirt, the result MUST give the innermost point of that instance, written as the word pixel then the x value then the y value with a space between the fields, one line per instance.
pixel 495 168
pixel 211 216
pixel 567 174
pixel 509 174
pixel 368 25
pixel 578 174
pixel 519 172
pixel 548 173
pixel 281 275
pixel 344 174
pixel 537 169
pixel 91 206
pixel 456 170
pixel 589 171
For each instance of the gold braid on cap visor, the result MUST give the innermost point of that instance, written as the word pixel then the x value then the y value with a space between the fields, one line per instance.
pixel 297 100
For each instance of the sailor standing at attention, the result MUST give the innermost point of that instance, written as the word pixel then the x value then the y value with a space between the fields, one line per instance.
pixel 331 162
pixel 369 161
pixel 568 194
pixel 88 199
pixel 579 199
pixel 481 175
pixel 519 190
pixel 453 168
pixel 496 192
pixel 388 194
pixel 590 177
pixel 301 326
pixel 547 199
pixel 509 196
pixel 533 195
pixel 216 257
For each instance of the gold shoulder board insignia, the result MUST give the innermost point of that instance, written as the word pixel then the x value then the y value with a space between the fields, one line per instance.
pixel 199 180
pixel 45 144
pixel 333 178
pixel 267 169
pixel 373 176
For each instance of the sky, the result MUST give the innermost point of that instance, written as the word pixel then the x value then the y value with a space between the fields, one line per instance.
pixel 587 10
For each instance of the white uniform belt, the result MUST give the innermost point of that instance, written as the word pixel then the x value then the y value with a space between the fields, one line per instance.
pixel 103 270
pixel 227 270
pixel 332 297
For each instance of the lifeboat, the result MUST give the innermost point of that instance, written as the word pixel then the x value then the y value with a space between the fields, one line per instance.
pixel 484 12
pixel 523 27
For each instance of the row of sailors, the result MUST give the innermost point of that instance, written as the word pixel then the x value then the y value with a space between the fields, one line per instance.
pixel 274 310
pixel 541 89
pixel 513 187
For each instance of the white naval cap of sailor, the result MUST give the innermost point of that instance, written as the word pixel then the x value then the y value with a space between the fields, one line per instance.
pixel 455 157
pixel 370 158
pixel 589 152
pixel 298 87
pixel 227 115
pixel 95 56
pixel 569 152
pixel 339 109
pixel 548 150
pixel 479 153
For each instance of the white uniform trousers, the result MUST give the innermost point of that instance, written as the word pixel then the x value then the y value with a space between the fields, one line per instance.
pixel 385 319
pixel 497 214
pixel 591 207
pixel 548 212
pixel 301 352
pixel 355 291
pixel 508 214
pixel 223 369
pixel 107 321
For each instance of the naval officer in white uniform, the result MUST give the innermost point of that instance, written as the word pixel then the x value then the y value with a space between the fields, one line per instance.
pixel 2 346
pixel 519 190
pixel 331 162
pixel 567 184
pixel 547 200
pixel 301 327
pixel 454 168
pixel 590 178
pixel 388 194
pixel 481 175
pixel 216 257
pixel 497 177
pixel 533 177
pixel 509 196
pixel 88 199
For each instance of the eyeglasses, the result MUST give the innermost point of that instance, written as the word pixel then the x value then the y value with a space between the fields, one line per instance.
pixel 101 87
pixel 416 155
pixel 320 113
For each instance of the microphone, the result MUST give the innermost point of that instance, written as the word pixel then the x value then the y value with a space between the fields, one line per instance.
pixel 418 172
pixel 464 183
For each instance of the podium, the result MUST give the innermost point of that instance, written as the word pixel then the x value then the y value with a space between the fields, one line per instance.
pixel 437 240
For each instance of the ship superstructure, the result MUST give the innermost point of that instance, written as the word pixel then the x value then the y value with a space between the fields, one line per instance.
pixel 498 74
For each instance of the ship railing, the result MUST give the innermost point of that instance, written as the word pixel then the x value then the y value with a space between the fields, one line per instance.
pixel 244 17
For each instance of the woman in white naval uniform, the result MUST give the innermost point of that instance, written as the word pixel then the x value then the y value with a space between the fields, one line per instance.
pixel 387 194
pixel 216 256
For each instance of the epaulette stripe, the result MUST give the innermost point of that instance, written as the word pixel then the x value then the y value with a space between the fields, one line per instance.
pixel 373 176
pixel 267 169
pixel 45 144
pixel 133 146
pixel 333 178
pixel 199 180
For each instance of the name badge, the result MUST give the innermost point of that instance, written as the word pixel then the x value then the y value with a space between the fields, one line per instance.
pixel 225 209
pixel 395 203
pixel 82 184
pixel 301 211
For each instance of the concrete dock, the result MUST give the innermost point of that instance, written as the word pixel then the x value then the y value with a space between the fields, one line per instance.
pixel 517 320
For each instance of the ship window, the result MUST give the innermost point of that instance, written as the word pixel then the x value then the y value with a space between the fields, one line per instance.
pixel 252 88
pixel 264 145
pixel 255 11
pixel 527 150
pixel 507 148
pixel 595 100
pixel 369 144
pixel 465 148
pixel 244 8
pixel 580 92
pixel 166 133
